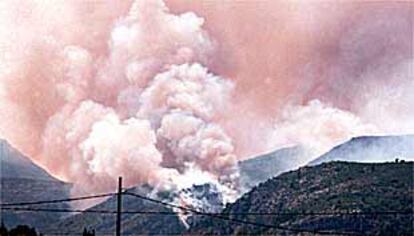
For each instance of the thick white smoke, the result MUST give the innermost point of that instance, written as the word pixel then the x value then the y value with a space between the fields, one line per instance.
pixel 318 127
pixel 94 90
pixel 145 111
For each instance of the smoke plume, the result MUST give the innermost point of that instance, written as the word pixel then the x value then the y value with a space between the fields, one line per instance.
pixel 160 95
pixel 145 109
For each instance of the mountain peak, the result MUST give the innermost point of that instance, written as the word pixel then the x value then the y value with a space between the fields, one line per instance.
pixel 371 149
pixel 14 164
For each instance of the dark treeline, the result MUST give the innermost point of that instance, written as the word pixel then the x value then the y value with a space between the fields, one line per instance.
pixel 24 230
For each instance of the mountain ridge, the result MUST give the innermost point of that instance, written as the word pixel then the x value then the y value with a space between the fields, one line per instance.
pixel 371 149
pixel 23 181
pixel 12 161
pixel 254 172
pixel 328 187
pixel 262 167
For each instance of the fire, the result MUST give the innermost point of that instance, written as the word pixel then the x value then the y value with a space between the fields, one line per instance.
pixel 96 90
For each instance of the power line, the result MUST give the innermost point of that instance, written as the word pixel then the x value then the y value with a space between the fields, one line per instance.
pixel 8 206
pixel 57 201
pixel 57 210
pixel 223 214
pixel 87 211
pixel 174 214
pixel 277 227
pixel 404 212
pixel 320 213
pixel 215 215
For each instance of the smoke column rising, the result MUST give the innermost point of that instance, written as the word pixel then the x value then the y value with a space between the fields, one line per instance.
pixel 95 90
pixel 145 109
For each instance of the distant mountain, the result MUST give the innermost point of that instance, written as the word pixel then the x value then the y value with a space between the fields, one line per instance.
pixel 329 187
pixel 261 168
pixel 326 183
pixel 13 164
pixel 359 149
pixel 204 197
pixel 137 224
pixel 371 149
pixel 24 181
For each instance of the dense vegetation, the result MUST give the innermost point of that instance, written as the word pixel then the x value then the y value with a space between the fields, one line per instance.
pixel 331 187
pixel 25 230
pixel 20 230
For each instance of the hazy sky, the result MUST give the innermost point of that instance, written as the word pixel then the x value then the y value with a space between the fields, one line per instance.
pixel 95 89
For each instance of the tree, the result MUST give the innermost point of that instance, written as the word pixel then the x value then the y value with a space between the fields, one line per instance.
pixel 88 233
pixel 23 230
pixel 3 230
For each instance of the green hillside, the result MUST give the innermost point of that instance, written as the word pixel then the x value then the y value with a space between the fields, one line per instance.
pixel 348 188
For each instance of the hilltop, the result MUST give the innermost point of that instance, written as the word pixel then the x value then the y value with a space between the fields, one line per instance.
pixel 371 149
pixel 329 187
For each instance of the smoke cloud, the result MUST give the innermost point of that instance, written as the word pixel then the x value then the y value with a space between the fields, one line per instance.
pixel 331 126
pixel 160 95
pixel 353 56
pixel 145 109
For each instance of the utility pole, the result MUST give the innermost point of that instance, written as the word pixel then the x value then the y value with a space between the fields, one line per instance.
pixel 119 208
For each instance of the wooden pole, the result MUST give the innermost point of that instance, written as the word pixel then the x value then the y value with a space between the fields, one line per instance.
pixel 119 208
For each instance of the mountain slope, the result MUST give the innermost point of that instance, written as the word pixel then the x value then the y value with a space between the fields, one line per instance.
pixel 137 224
pixel 371 149
pixel 202 197
pixel 261 168
pixel 23 181
pixel 330 187
pixel 13 164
